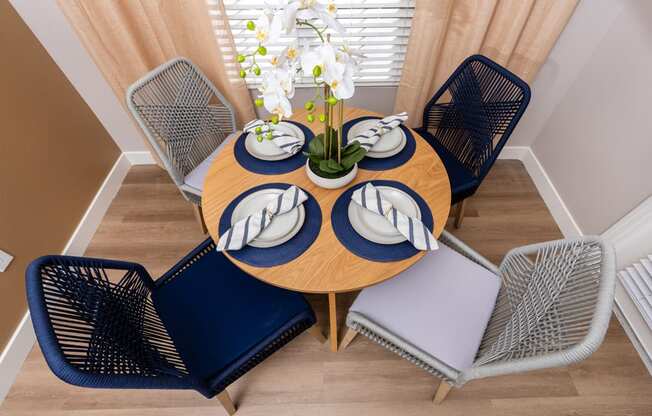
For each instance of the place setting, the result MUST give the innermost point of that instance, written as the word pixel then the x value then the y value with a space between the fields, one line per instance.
pixel 383 220
pixel 388 142
pixel 270 224
pixel 271 149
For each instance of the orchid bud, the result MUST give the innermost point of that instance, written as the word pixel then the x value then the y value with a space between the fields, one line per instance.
pixel 251 25
pixel 259 138
pixel 269 136
pixel 322 117
pixel 241 58
pixel 262 50
pixel 243 74
pixel 256 70
pixel 316 71
pixel 309 105
pixel 275 119
pixel 331 100
pixel 258 130
pixel 310 118
pixel 259 102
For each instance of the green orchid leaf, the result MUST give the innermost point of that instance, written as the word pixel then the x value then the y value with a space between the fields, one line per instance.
pixel 330 166
pixel 316 145
pixel 351 159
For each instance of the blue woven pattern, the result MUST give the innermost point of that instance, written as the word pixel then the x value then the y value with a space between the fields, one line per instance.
pixel 386 163
pixel 275 167
pixel 95 333
pixel 470 118
pixel 364 248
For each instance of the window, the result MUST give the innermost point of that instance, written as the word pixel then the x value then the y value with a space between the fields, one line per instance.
pixel 379 29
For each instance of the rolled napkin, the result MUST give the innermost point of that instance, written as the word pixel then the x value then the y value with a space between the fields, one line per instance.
pixel 245 230
pixel 283 140
pixel 411 228
pixel 369 138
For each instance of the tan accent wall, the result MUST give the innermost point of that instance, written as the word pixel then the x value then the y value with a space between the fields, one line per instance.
pixel 54 155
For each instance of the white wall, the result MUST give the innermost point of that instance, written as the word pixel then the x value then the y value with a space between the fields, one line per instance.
pixel 596 143
pixel 576 44
pixel 54 32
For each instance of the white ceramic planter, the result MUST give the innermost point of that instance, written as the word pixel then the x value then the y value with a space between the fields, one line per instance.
pixel 331 183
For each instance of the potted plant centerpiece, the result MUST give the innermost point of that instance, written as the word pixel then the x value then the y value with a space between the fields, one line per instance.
pixel 331 163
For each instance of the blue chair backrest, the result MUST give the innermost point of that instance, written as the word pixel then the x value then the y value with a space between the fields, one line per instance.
pixel 97 333
pixel 473 114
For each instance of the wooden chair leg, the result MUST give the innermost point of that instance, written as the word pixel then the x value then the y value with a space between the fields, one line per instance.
pixel 348 337
pixel 332 320
pixel 226 402
pixel 199 216
pixel 460 213
pixel 315 331
pixel 442 391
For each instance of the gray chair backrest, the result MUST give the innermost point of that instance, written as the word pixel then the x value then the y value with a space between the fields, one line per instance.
pixel 553 309
pixel 182 114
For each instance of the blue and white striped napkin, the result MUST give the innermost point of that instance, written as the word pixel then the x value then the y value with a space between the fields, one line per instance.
pixel 245 230
pixel 411 228
pixel 286 142
pixel 369 138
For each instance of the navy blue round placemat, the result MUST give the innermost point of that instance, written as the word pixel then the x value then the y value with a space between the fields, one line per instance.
pixel 276 167
pixel 288 251
pixel 364 248
pixel 391 162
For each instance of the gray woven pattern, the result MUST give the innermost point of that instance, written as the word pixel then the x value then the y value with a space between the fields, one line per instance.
pixel 182 114
pixel 553 309
pixel 374 333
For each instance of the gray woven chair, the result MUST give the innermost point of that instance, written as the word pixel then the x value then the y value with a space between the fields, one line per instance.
pixel 460 317
pixel 185 119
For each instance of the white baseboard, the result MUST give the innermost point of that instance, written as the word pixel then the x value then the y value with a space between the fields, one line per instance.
pixel 14 354
pixel 547 190
pixel 22 341
pixel 140 158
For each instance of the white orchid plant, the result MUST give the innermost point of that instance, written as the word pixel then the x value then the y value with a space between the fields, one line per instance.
pixel 331 68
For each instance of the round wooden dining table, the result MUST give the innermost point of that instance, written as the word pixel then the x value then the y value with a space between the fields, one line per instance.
pixel 327 266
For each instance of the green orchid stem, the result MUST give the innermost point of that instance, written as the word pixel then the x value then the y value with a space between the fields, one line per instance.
pixel 339 136
pixel 327 133
pixel 305 22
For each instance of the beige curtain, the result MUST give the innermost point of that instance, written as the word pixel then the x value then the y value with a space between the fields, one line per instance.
pixel 128 38
pixel 517 34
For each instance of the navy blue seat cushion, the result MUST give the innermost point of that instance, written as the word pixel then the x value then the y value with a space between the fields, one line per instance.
pixel 463 183
pixel 216 314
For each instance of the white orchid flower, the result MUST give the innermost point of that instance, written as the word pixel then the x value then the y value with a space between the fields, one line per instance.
pixel 277 88
pixel 339 76
pixel 308 10
pixel 323 56
pixel 289 54
pixel 268 27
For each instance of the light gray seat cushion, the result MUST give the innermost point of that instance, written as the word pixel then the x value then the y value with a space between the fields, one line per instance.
pixel 194 181
pixel 440 306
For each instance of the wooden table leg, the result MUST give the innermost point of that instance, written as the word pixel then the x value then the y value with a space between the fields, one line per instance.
pixel 332 317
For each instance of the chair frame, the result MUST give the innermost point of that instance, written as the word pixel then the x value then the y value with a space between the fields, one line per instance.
pixel 589 343
pixel 62 351
pixel 507 130
pixel 153 76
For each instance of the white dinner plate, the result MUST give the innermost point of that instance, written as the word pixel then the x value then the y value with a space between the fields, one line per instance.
pixel 375 227
pixel 389 144
pixel 281 229
pixel 267 150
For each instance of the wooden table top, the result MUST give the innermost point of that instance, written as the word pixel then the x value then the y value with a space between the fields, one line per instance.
pixel 327 266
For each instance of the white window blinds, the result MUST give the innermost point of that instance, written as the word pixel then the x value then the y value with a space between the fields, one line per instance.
pixel 379 29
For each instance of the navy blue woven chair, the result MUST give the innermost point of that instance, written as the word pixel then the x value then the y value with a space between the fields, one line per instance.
pixel 469 120
pixel 201 326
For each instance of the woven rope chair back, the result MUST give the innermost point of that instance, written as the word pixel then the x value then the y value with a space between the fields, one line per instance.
pixel 99 327
pixel 474 112
pixel 182 114
pixel 547 301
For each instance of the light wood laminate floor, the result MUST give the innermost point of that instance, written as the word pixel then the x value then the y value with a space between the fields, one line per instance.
pixel 149 222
